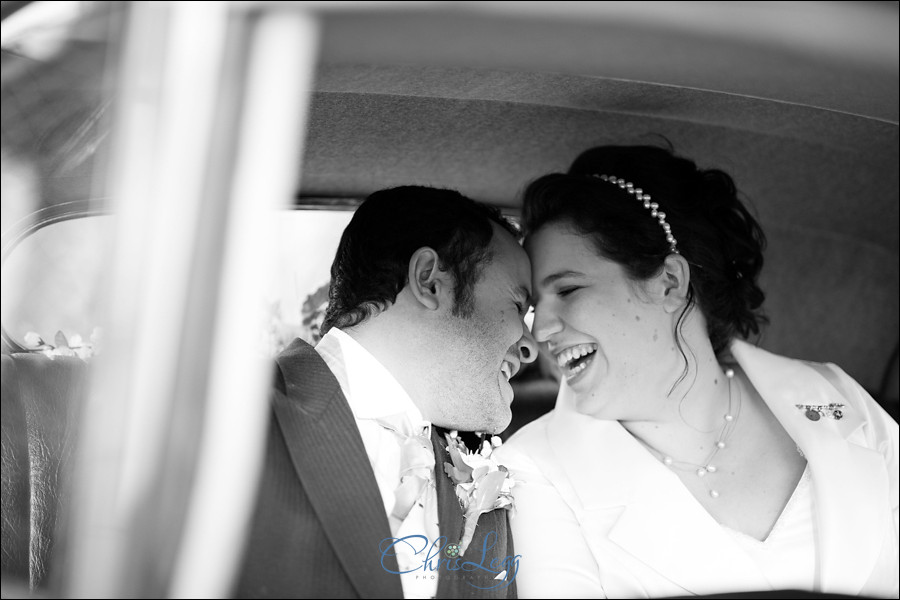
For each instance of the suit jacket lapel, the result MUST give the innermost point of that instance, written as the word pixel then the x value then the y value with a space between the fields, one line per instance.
pixel 621 492
pixel 333 466
pixel 850 485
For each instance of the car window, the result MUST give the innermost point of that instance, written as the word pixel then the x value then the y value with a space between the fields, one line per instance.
pixel 52 286
pixel 297 295
pixel 52 281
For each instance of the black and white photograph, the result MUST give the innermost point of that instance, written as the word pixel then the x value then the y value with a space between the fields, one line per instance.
pixel 450 299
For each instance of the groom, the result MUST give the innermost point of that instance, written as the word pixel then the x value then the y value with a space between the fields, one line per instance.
pixel 424 328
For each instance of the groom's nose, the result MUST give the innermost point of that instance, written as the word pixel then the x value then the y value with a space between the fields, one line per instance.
pixel 528 349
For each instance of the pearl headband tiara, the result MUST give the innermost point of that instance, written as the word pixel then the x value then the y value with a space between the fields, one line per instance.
pixel 653 207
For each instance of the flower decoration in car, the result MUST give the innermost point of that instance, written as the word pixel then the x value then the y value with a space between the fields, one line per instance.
pixel 482 485
pixel 64 346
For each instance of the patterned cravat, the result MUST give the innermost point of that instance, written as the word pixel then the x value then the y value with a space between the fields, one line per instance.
pixel 416 462
pixel 415 511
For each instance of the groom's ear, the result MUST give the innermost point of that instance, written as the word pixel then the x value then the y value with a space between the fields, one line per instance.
pixel 430 286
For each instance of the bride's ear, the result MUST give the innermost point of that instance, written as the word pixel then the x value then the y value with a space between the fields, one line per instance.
pixel 671 285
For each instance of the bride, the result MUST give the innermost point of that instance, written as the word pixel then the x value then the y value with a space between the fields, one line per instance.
pixel 679 458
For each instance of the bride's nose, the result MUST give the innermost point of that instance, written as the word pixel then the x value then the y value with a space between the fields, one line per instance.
pixel 545 324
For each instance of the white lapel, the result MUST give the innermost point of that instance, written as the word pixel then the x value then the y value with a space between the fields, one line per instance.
pixel 850 484
pixel 622 493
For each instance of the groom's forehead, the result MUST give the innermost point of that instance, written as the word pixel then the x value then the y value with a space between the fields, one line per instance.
pixel 511 261
pixel 507 276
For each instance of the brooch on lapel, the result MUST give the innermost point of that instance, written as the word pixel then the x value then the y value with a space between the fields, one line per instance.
pixel 814 412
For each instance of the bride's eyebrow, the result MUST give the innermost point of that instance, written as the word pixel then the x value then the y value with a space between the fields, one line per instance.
pixel 553 277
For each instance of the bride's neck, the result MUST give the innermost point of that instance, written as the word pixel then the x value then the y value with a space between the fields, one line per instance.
pixel 691 417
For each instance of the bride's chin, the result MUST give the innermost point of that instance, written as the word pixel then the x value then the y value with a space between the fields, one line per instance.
pixel 585 406
pixel 586 398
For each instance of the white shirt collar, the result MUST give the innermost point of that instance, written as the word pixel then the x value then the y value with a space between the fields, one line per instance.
pixel 369 387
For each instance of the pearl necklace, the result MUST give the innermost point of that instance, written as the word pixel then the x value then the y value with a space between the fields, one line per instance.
pixel 730 422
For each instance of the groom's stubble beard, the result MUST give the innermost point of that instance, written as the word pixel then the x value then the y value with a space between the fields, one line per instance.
pixel 467 385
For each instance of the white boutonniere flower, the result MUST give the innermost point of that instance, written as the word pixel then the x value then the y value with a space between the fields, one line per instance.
pixel 482 485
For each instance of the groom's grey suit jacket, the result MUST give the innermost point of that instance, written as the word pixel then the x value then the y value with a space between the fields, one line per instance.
pixel 320 519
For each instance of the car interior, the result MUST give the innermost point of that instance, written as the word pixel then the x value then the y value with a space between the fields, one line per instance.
pixel 797 101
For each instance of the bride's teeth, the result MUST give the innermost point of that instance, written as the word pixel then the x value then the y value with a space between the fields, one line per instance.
pixel 573 353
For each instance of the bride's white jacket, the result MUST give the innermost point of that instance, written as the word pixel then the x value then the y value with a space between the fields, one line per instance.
pixel 597 515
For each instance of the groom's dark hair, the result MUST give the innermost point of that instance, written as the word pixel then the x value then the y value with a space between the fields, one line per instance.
pixel 372 260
